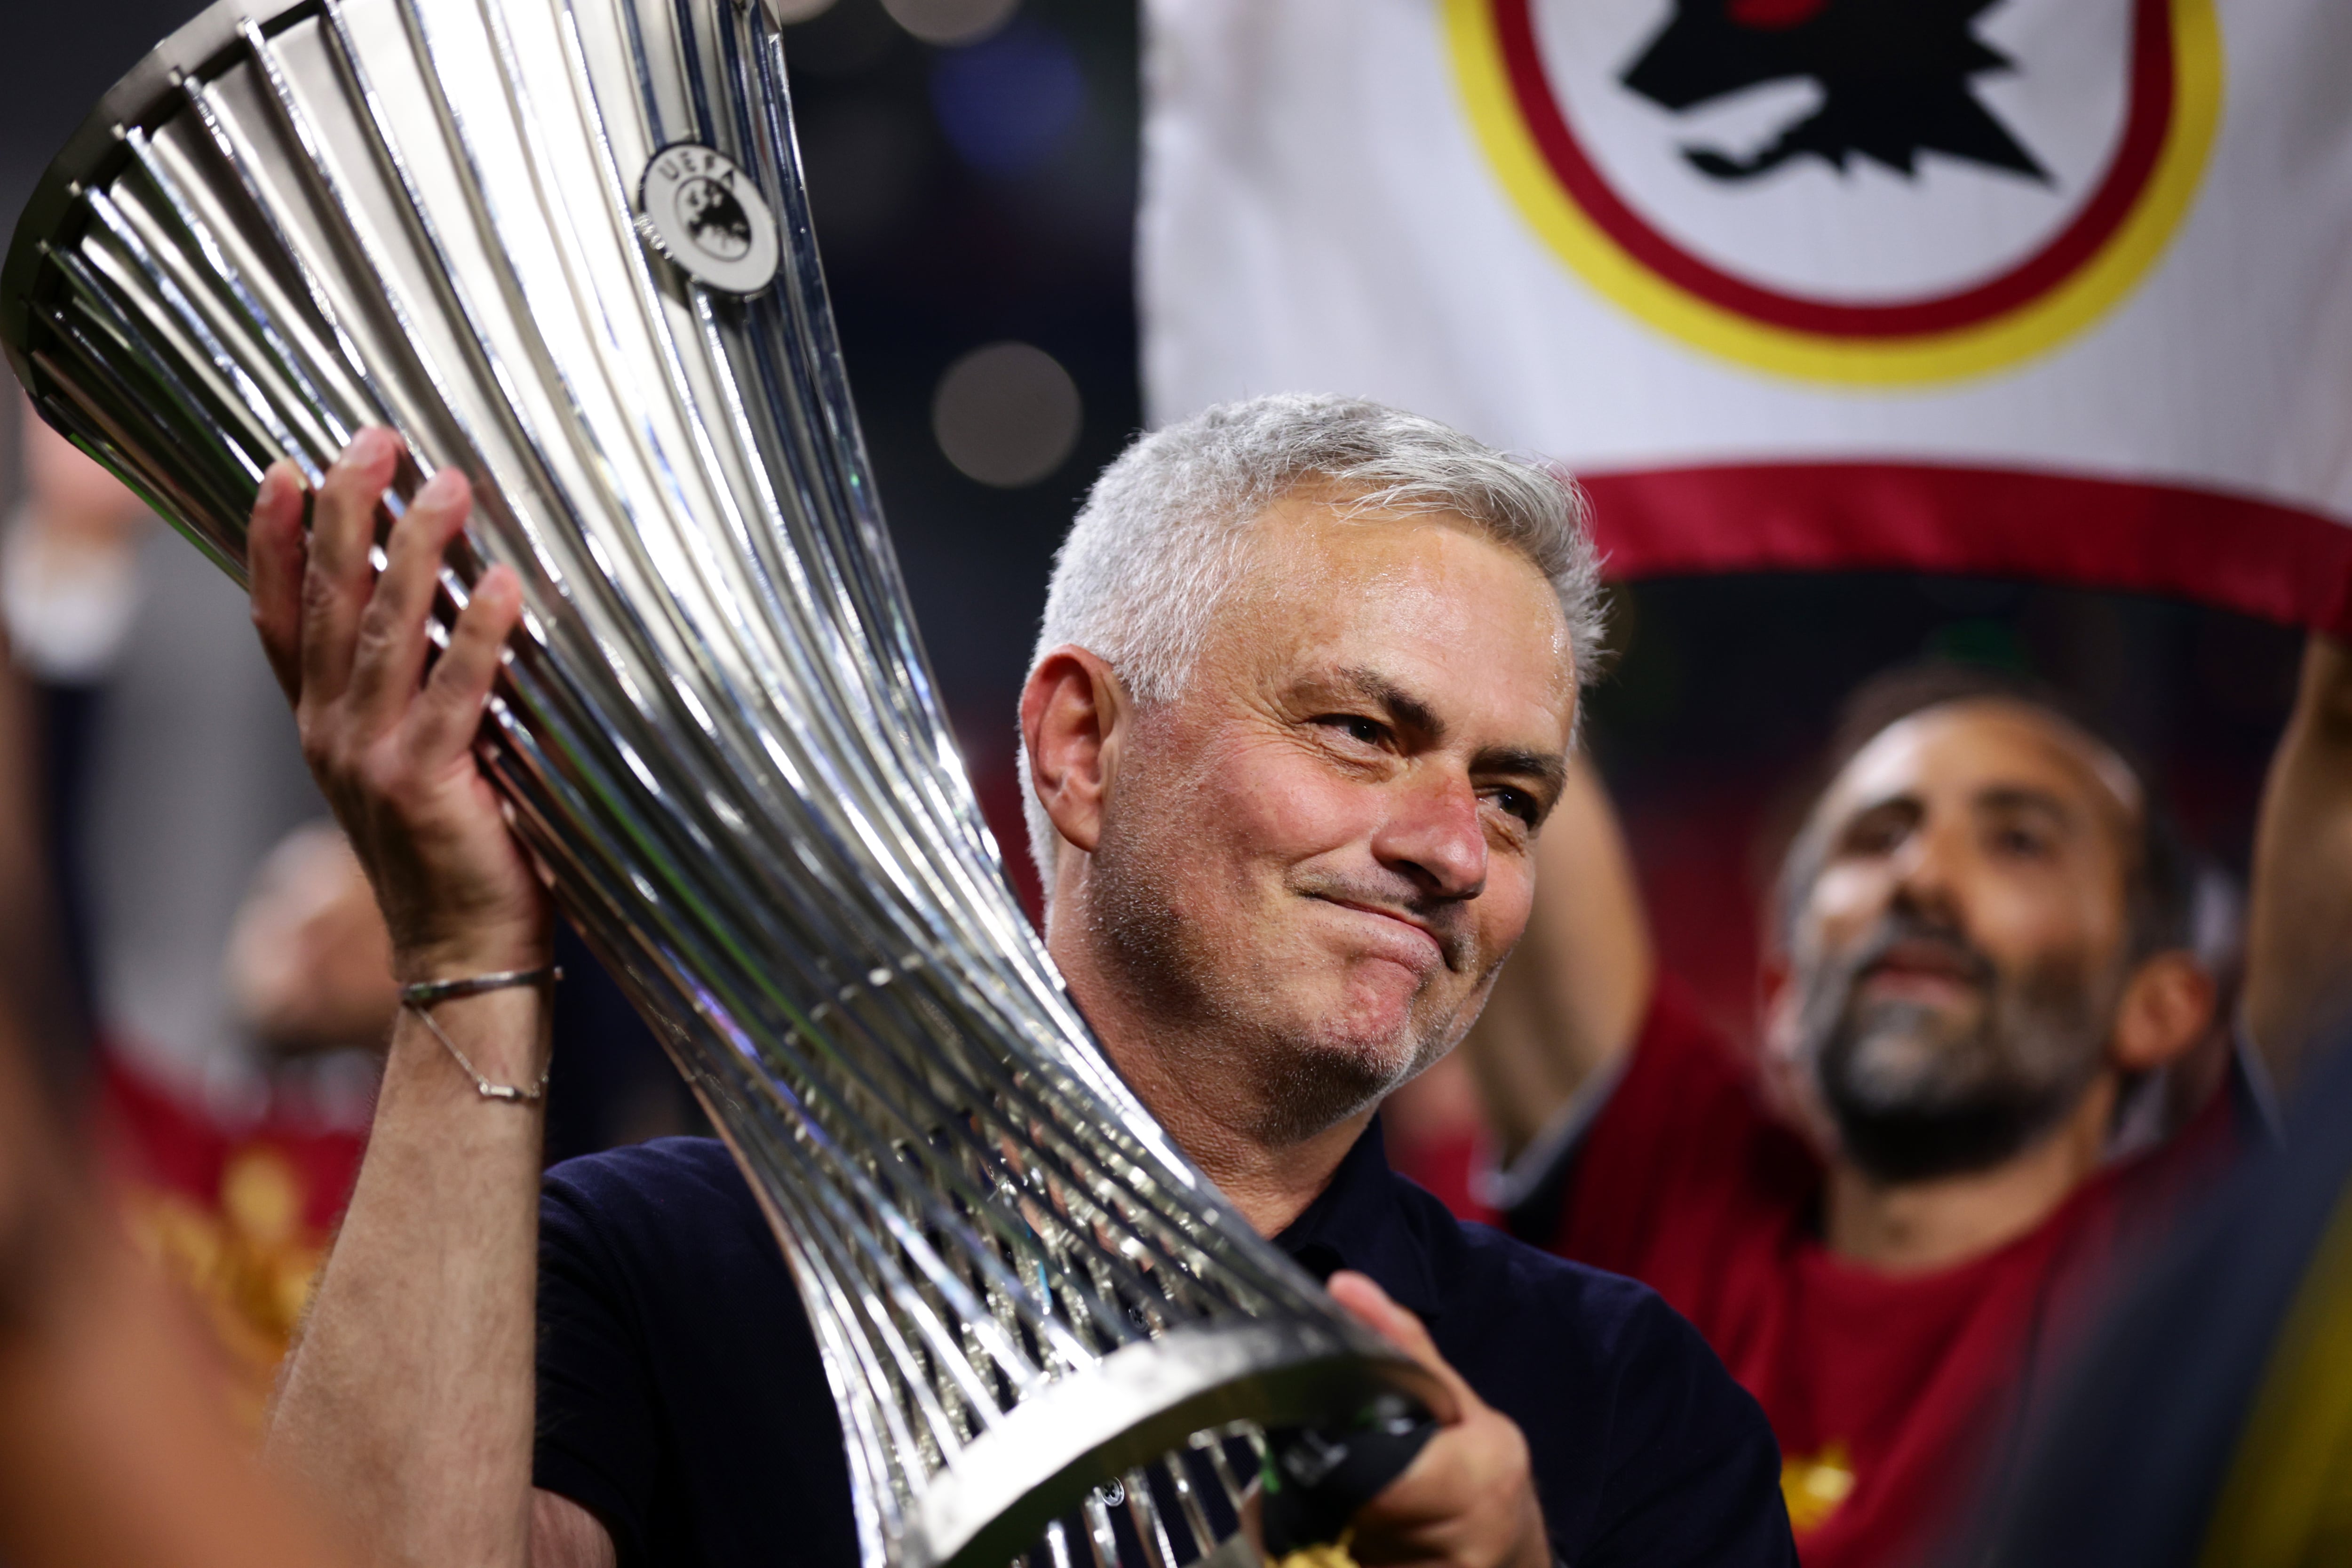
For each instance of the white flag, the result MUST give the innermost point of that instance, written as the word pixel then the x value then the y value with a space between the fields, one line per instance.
pixel 2040 287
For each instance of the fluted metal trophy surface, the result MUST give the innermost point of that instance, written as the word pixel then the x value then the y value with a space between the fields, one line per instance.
pixel 562 245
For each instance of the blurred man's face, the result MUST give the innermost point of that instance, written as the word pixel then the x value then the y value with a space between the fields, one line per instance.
pixel 1957 962
pixel 1318 853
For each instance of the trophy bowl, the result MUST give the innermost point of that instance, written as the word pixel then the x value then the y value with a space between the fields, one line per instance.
pixel 564 246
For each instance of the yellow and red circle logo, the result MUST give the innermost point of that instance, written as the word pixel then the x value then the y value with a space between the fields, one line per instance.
pixel 1872 192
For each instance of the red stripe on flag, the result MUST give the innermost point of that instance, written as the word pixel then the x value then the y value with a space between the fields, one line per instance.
pixel 2257 557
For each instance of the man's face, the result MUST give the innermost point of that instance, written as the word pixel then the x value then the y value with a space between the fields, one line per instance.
pixel 1318 854
pixel 1956 959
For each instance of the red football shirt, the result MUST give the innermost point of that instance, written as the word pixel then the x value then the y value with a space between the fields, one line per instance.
pixel 1887 1393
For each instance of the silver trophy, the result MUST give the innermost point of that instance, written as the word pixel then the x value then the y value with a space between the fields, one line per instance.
pixel 564 246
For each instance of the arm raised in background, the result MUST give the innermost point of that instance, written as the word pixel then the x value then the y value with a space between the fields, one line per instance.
pixel 409 1397
pixel 2299 920
pixel 1569 1004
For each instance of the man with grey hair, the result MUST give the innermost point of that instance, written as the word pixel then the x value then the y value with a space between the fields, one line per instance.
pixel 1306 693
pixel 1165 533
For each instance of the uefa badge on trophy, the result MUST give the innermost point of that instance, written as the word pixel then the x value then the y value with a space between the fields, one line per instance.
pixel 704 213
pixel 564 246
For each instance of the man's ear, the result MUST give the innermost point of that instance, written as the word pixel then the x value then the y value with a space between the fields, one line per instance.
pixel 1788 1087
pixel 2165 1009
pixel 1072 713
pixel 1775 1004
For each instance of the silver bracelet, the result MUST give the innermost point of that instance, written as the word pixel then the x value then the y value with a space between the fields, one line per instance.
pixel 419 998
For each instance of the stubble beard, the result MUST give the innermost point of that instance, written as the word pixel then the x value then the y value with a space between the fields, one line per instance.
pixel 1293 1076
pixel 1916 1094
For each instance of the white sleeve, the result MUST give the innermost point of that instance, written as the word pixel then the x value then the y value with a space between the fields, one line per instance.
pixel 67 611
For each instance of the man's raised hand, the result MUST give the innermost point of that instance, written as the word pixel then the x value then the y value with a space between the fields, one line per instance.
pixel 390 743
pixel 1468 1499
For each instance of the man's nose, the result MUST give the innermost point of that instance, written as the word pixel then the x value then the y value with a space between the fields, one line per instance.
pixel 1433 836
pixel 1927 871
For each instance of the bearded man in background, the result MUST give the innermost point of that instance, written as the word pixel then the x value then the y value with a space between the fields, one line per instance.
pixel 1984 988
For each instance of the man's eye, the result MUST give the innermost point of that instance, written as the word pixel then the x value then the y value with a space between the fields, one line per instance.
pixel 2022 842
pixel 1357 728
pixel 1518 803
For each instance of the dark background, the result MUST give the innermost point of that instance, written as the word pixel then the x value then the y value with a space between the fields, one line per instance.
pixel 981 194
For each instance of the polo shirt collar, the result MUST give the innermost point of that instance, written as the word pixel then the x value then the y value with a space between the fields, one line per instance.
pixel 1360 1221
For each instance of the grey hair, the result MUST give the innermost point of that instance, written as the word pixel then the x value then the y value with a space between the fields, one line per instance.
pixel 1165 535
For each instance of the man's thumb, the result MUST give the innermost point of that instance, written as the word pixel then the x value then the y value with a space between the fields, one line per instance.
pixel 1370 1305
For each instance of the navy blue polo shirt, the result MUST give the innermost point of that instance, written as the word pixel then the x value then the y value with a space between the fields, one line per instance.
pixel 683 1402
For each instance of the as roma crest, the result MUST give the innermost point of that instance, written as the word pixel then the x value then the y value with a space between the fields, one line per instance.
pixel 1863 191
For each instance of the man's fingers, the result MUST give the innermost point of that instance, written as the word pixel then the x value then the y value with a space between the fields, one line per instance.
pixel 1468 1496
pixel 1370 1305
pixel 342 530
pixel 273 560
pixel 450 711
pixel 389 655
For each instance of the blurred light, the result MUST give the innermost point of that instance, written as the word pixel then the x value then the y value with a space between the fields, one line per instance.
pixel 950 21
pixel 1006 104
pixel 1007 415
pixel 787 12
